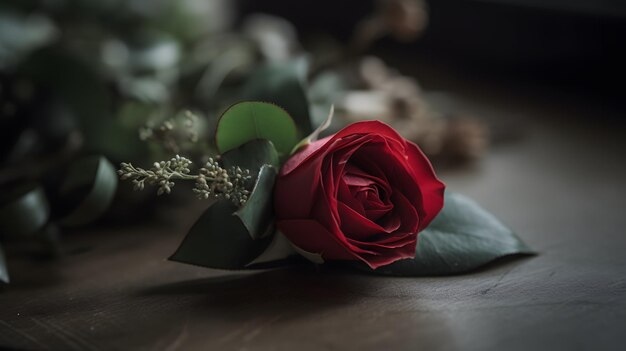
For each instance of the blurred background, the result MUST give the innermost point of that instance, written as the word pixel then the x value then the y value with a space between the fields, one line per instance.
pixel 576 46
pixel 85 85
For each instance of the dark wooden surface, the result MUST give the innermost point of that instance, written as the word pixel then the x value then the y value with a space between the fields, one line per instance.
pixel 561 186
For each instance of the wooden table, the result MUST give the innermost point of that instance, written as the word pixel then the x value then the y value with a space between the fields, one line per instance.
pixel 561 187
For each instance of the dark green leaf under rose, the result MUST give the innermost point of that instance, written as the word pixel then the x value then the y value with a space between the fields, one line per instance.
pixel 219 239
pixel 260 157
pixel 230 238
pixel 462 237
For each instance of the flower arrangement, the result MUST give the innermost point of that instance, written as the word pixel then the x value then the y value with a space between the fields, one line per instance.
pixel 364 195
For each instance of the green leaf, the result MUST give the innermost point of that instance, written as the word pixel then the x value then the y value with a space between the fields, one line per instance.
pixel 4 273
pixel 282 84
pixel 252 156
pixel 246 121
pixel 90 184
pixel 220 240
pixel 261 158
pixel 23 210
pixel 463 237
pixel 257 214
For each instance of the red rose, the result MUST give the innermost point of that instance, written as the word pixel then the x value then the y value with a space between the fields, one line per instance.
pixel 361 194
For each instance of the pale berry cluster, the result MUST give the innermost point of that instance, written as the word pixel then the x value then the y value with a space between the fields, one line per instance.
pixel 212 181
pixel 215 181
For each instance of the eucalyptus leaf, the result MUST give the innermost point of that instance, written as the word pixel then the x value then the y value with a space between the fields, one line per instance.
pixel 257 214
pixel 93 180
pixel 24 210
pixel 246 121
pixel 220 240
pixel 252 156
pixel 283 85
pixel 462 237
pixel 4 273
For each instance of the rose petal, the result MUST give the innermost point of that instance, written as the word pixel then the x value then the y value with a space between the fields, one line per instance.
pixel 344 195
pixel 370 191
pixel 356 226
pixel 387 256
pixel 430 187
pixel 400 239
pixel 312 236
pixel 370 128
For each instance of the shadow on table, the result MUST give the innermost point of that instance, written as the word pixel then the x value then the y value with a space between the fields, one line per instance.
pixel 286 292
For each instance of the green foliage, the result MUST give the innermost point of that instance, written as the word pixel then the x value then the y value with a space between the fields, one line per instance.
pixel 252 156
pixel 257 214
pixel 228 237
pixel 87 191
pixel 219 239
pixel 91 181
pixel 246 121
pixel 24 210
pixel 463 237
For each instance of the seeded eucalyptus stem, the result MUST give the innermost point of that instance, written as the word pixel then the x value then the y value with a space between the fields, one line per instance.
pixel 211 181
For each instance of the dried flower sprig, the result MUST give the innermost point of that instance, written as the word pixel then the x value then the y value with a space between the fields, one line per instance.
pixel 212 180
pixel 172 133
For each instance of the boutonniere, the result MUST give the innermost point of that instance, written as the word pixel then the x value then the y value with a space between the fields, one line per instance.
pixel 363 195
